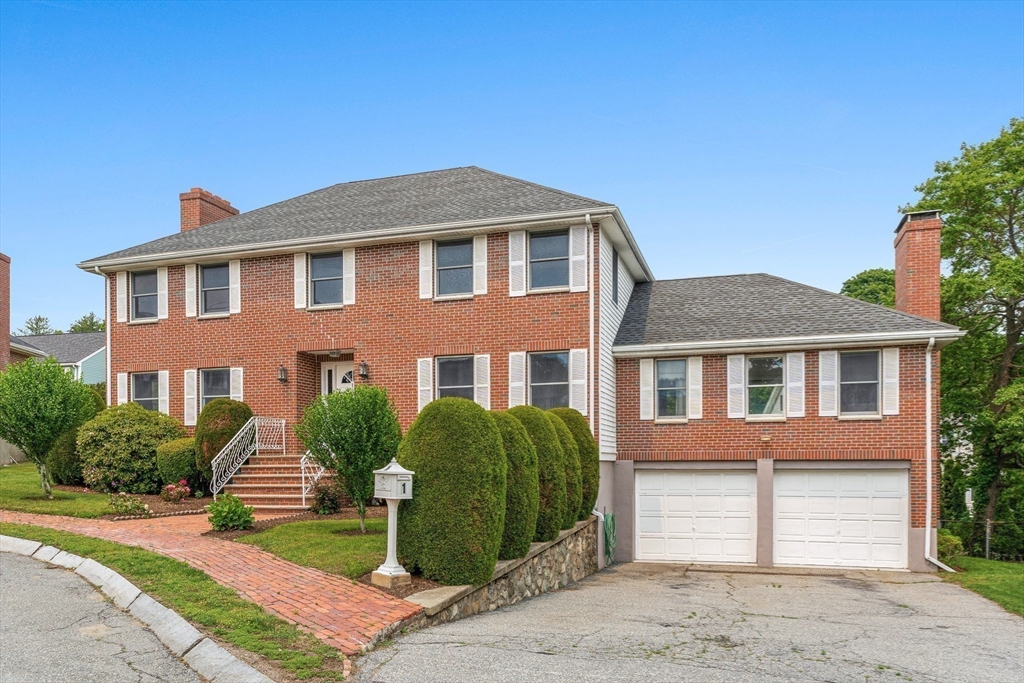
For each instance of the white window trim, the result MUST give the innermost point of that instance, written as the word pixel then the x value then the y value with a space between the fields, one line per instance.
pixel 437 374
pixel 568 377
pixel 130 292
pixel 780 417
pixel 131 387
pixel 435 272
pixel 201 306
pixel 530 289
pixel 877 413
pixel 201 395
pixel 309 283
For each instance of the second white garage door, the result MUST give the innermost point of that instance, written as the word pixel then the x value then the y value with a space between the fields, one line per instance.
pixel 846 518
pixel 696 516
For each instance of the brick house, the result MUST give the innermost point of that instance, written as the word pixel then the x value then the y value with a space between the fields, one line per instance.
pixel 740 419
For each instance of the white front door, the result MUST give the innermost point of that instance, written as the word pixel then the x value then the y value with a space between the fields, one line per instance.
pixel 843 518
pixel 696 516
pixel 335 376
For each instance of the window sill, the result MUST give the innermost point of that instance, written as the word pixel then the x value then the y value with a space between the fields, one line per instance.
pixel 854 418
pixel 145 321
pixel 548 290
pixel 781 418
pixel 325 307
pixel 213 316
pixel 671 420
pixel 454 297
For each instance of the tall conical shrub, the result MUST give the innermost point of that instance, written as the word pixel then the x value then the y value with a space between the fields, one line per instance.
pixel 550 470
pixel 522 495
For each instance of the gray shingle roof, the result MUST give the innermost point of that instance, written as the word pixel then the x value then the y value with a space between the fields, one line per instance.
pixel 66 348
pixel 21 340
pixel 757 306
pixel 436 197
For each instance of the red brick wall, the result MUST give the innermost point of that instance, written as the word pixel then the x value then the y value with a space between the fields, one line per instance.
pixel 918 262
pixel 199 207
pixel 717 437
pixel 388 327
pixel 5 310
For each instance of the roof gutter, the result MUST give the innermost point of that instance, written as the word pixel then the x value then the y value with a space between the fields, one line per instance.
pixel 941 337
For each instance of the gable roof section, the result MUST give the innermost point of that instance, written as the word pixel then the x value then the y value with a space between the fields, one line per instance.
pixel 18 344
pixel 66 348
pixel 455 195
pixel 734 310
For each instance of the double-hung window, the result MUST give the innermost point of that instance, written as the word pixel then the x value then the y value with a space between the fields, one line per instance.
pixel 214 383
pixel 858 382
pixel 144 295
pixel 325 279
pixel 146 390
pixel 549 259
pixel 766 380
pixel 671 388
pixel 214 286
pixel 549 380
pixel 454 261
pixel 455 377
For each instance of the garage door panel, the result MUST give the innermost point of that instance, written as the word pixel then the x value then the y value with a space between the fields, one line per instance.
pixel 738 483
pixel 821 552
pixel 851 484
pixel 708 525
pixel 706 504
pixel 889 507
pixel 678 525
pixel 821 484
pixel 737 504
pixel 678 482
pixel 854 529
pixel 707 482
pixel 651 546
pixel 791 527
pixel 651 525
pixel 676 503
pixel 650 481
pixel 886 553
pixel 651 504
pixel 790 505
pixel 886 531
pixel 853 552
pixel 890 483
pixel 822 528
pixel 679 548
pixel 820 505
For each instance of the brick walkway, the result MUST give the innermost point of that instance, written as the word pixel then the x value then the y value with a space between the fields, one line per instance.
pixel 340 612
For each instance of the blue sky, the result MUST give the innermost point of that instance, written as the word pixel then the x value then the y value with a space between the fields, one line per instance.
pixel 734 137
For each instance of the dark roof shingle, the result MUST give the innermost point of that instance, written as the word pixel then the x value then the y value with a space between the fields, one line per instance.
pixel 756 306
pixel 67 348
pixel 436 197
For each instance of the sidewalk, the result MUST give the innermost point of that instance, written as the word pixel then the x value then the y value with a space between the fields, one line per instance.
pixel 340 612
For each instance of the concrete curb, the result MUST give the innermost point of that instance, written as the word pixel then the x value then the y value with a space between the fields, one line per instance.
pixel 204 656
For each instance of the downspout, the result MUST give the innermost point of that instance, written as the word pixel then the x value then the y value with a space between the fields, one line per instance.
pixel 106 322
pixel 590 288
pixel 928 458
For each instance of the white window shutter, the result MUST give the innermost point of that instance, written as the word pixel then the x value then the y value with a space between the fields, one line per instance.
pixel 794 385
pixel 482 380
pixel 122 297
pixel 425 381
pixel 426 270
pixel 300 281
pixel 578 258
pixel 190 290
pixel 163 403
pixel 122 388
pixel 891 381
pixel 646 389
pixel 235 282
pixel 828 383
pixel 578 380
pixel 517 263
pixel 190 397
pixel 516 379
pixel 236 384
pixel 480 264
pixel 694 387
pixel 735 380
pixel 161 293
pixel 348 280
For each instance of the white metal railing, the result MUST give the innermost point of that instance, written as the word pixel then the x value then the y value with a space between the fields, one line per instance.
pixel 311 473
pixel 259 433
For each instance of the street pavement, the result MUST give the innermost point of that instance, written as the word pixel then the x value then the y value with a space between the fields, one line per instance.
pixel 54 626
pixel 646 622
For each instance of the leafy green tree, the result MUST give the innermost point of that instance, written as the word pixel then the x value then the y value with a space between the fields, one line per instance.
pixel 352 433
pixel 981 196
pixel 876 286
pixel 88 323
pixel 39 402
pixel 37 324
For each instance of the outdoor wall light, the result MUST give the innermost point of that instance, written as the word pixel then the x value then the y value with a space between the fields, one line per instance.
pixel 334 354
pixel 282 374
pixel 364 370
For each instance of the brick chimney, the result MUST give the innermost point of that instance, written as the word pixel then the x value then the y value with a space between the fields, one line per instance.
pixel 199 207
pixel 5 310
pixel 918 263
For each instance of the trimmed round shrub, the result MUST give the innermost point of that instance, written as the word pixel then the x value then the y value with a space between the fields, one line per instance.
pixel 118 448
pixel 590 460
pixel 452 528
pixel 522 494
pixel 176 460
pixel 550 470
pixel 571 461
pixel 218 422
pixel 63 462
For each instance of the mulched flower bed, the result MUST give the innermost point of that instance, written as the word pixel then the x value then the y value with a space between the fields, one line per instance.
pixel 308 516
pixel 157 506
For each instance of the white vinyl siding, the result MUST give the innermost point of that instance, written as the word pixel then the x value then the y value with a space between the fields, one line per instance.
pixel 190 290
pixel 610 317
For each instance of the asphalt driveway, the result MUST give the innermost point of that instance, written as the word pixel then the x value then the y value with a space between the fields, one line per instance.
pixel 644 622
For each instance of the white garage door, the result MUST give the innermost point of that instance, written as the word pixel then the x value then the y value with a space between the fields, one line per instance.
pixel 695 516
pixel 847 518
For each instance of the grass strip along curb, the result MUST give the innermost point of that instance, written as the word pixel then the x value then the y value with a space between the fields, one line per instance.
pixel 202 601
pixel 1000 582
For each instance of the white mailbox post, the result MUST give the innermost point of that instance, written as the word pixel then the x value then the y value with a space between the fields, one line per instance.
pixel 393 483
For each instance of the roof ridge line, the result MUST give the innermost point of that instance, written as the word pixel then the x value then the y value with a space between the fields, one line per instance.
pixel 543 187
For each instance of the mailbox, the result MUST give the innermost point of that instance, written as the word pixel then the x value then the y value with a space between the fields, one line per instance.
pixel 393 482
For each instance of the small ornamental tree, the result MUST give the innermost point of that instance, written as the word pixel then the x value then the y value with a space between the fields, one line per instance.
pixel 452 528
pixel 352 433
pixel 522 496
pixel 550 470
pixel 571 461
pixel 590 461
pixel 218 423
pixel 39 402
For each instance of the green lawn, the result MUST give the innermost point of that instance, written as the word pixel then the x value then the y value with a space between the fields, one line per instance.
pixel 1000 582
pixel 201 600
pixel 319 545
pixel 20 491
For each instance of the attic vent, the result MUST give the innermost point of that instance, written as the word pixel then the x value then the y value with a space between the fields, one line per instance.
pixel 924 215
